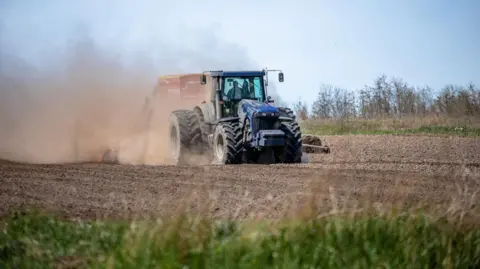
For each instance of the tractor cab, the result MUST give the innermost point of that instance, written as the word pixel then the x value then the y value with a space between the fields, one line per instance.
pixel 227 89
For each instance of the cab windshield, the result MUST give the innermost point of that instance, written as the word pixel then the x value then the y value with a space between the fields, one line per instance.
pixel 238 88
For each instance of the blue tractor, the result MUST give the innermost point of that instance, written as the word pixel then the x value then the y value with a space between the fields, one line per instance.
pixel 236 123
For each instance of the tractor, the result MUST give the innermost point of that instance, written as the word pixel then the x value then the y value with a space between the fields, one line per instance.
pixel 236 123
pixel 226 117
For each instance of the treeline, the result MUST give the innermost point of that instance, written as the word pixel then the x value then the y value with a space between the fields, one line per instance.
pixel 392 97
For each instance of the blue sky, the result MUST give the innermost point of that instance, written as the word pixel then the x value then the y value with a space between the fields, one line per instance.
pixel 344 43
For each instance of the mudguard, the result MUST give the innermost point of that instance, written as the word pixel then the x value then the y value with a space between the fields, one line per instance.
pixel 286 114
pixel 208 111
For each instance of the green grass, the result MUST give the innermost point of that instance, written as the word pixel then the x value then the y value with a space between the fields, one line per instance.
pixel 364 241
pixel 451 127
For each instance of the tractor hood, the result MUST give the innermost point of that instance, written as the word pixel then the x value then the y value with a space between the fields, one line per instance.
pixel 249 107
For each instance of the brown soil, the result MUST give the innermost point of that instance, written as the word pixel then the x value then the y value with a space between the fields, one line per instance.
pixel 382 169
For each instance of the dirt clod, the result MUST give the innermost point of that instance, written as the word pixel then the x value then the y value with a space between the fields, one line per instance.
pixel 312 140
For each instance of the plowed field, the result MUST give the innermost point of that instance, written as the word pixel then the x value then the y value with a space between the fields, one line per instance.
pixel 383 169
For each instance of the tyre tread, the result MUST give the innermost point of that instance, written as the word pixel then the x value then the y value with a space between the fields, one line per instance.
pixel 293 140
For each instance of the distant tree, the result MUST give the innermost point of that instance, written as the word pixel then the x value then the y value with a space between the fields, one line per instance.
pixel 322 106
pixel 301 110
pixel 474 93
pixel 393 97
pixel 424 101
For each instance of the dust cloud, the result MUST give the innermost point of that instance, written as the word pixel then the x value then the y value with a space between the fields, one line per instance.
pixel 81 101
pixel 72 111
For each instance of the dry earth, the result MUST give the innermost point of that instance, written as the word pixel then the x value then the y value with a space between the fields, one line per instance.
pixel 382 169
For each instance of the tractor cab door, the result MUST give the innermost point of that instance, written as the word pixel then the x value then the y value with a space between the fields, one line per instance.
pixel 231 95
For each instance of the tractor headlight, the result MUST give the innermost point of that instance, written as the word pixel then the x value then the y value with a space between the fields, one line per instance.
pixel 264 114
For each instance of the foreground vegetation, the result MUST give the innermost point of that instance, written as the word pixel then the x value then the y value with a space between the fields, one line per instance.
pixel 364 241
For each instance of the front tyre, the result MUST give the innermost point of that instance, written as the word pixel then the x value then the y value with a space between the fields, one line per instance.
pixel 250 155
pixel 292 151
pixel 228 143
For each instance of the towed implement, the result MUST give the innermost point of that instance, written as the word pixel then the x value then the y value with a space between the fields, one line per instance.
pixel 237 123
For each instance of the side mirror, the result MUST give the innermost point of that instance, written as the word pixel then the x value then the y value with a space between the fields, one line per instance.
pixel 280 76
pixel 269 99
pixel 203 79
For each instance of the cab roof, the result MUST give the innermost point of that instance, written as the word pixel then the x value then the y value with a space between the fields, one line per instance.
pixel 217 74
pixel 236 73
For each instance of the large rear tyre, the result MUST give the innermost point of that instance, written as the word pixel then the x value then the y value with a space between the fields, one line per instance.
pixel 184 131
pixel 203 145
pixel 228 143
